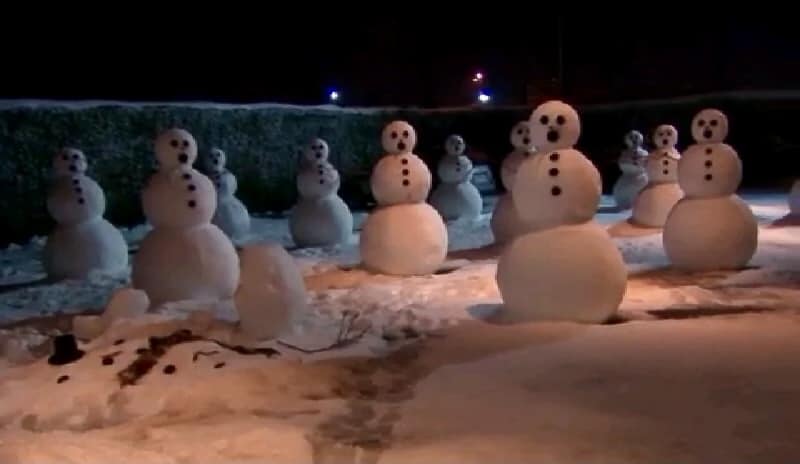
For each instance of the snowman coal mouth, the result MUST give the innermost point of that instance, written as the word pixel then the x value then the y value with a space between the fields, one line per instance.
pixel 401 146
pixel 708 133
pixel 526 141
pixel 664 142
pixel 553 135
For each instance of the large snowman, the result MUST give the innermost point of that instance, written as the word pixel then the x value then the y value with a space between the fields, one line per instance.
pixel 711 228
pixel 456 198
pixel 184 256
pixel 655 201
pixel 506 223
pixel 403 235
pixel 567 267
pixel 631 162
pixel 320 217
pixel 231 215
pixel 82 241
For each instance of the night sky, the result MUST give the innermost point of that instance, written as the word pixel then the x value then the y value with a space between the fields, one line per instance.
pixel 394 59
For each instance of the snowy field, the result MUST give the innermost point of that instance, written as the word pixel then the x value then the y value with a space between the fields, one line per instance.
pixel 697 368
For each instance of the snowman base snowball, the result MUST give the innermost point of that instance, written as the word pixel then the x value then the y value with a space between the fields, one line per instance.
pixel 407 239
pixel 708 234
pixel 568 273
pixel 176 264
pixel 319 222
pixel 74 251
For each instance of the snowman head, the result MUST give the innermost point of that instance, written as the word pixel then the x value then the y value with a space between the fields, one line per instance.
pixel 399 179
pixel 318 181
pixel 521 136
pixel 707 170
pixel 69 162
pixel 634 139
pixel 557 188
pixel 454 145
pixel 554 125
pixel 316 151
pixel 175 147
pixel 455 169
pixel 214 161
pixel 665 136
pixel 710 126
pixel 398 137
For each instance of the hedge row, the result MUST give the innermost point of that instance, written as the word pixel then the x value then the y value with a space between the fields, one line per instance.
pixel 262 143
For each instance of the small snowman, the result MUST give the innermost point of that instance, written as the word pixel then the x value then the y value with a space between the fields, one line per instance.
pixel 231 215
pixel 456 198
pixel 403 235
pixel 506 223
pixel 184 256
pixel 634 178
pixel 82 241
pixel 655 201
pixel 711 228
pixel 320 218
pixel 567 267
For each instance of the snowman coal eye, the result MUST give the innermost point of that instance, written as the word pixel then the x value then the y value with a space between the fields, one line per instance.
pixel 713 123
pixel 544 119
pixel 75 157
pixel 701 123
pixel 405 134
pixel 560 120
pixel 519 131
pixel 174 143
pixel 394 135
pixel 185 143
pixel 668 133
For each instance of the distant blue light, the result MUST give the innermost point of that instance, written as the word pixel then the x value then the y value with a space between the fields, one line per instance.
pixel 333 95
pixel 484 97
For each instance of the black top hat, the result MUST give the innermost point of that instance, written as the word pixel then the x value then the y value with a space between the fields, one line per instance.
pixel 65 350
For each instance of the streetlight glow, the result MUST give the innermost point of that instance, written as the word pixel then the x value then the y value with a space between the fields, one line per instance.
pixel 478 77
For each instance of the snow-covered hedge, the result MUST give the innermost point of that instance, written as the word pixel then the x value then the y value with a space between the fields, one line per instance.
pixel 262 141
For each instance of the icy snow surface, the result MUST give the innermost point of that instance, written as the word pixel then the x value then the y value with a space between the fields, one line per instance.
pixel 697 368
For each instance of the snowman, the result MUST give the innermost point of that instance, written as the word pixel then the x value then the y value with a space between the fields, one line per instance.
pixel 403 235
pixel 711 228
pixel 184 256
pixel 506 223
pixel 566 267
pixel 654 202
pixel 456 198
pixel 634 178
pixel 231 215
pixel 82 241
pixel 320 217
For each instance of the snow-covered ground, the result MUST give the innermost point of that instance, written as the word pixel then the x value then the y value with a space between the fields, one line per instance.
pixel 697 368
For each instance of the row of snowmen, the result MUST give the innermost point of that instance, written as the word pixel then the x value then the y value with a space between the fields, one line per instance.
pixel 554 192
pixel 559 264
pixel 83 241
